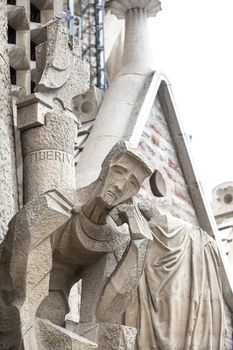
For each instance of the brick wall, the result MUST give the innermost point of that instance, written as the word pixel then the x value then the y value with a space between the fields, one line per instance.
pixel 157 144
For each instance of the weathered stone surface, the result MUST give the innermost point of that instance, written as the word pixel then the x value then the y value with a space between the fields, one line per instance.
pixel 25 264
pixel 92 245
pixel 48 126
pixel 8 188
pixel 108 336
pixel 61 70
pixel 122 286
pixel 48 153
pixel 51 337
pixel 222 206
pixel 86 106
pixel 44 253
pixel 222 200
pixel 31 112
pixel 180 301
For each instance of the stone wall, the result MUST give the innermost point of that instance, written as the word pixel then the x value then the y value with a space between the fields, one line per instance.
pixel 8 188
pixel 229 329
pixel 157 144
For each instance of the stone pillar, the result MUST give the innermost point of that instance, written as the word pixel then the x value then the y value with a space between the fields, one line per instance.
pixel 119 111
pixel 8 187
pixel 47 137
pixel 136 49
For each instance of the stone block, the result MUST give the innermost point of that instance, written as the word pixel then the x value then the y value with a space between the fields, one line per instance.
pixel 108 336
pixel 25 264
pixel 51 337
pixel 86 106
pixel 31 112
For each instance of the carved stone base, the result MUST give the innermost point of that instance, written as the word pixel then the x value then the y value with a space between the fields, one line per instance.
pixel 108 336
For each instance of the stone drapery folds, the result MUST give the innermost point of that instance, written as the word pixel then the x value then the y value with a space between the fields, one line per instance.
pixel 179 303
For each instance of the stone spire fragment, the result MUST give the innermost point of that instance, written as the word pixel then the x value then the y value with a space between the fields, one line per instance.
pixel 137 51
pixel 120 108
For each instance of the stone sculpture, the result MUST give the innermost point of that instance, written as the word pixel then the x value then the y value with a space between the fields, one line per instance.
pixel 180 302
pixel 105 239
pixel 46 118
pixel 48 249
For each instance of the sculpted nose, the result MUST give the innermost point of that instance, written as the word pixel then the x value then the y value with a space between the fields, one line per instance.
pixel 120 184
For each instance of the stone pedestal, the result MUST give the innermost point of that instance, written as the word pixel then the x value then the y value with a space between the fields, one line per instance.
pixel 108 336
pixel 48 137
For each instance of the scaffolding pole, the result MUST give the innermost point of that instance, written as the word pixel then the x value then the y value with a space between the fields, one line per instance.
pixel 92 12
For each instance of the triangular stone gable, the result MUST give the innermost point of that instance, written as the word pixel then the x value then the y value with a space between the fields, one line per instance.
pixel 157 143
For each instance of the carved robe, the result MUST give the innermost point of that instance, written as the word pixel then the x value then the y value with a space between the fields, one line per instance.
pixel 180 302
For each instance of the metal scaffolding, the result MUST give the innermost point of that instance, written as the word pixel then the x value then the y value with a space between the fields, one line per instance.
pixel 92 34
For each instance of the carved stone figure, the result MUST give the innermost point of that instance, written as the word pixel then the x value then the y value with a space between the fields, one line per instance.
pixel 180 302
pixel 47 250
pixel 91 234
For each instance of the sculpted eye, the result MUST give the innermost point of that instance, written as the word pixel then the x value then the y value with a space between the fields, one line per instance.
pixel 133 184
pixel 119 172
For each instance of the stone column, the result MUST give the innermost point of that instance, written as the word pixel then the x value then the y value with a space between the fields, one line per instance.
pixel 119 111
pixel 8 187
pixel 137 51
pixel 47 137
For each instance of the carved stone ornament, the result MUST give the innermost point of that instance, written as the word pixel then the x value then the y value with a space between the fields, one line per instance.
pixel 45 118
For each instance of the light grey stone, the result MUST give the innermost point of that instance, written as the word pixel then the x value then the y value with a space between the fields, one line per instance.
pixel 25 264
pixel 86 248
pixel 108 336
pixel 48 151
pixel 45 118
pixel 45 252
pixel 86 106
pixel 120 7
pixel 180 278
pixel 52 337
pixel 17 17
pixel 222 206
pixel 61 70
pixel 125 95
pixel 8 187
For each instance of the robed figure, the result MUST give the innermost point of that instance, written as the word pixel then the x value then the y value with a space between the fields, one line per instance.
pixel 179 305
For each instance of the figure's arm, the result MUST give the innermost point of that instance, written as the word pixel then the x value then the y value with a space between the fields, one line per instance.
pixel 123 283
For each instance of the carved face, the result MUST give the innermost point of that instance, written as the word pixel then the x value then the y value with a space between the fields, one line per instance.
pixel 123 180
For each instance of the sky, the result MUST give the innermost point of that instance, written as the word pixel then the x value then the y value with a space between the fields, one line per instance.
pixel 193 45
